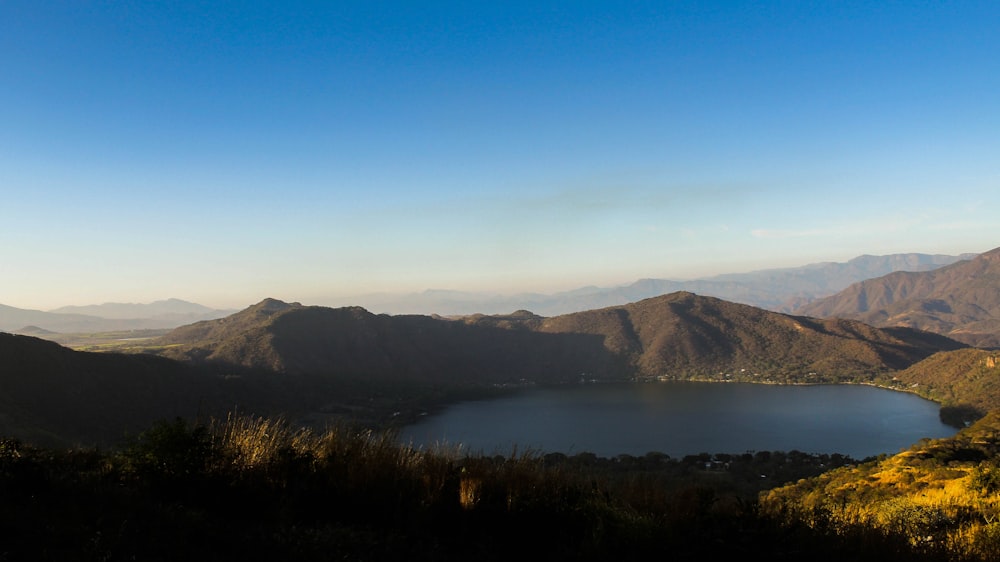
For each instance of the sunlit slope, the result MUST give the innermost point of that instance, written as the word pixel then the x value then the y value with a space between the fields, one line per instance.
pixel 939 494
pixel 961 301
pixel 683 334
pixel 966 382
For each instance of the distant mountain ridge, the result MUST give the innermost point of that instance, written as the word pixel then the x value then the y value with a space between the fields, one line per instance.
pixel 108 317
pixel 961 301
pixel 780 290
pixel 163 308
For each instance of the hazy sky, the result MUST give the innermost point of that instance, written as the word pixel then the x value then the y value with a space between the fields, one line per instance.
pixel 311 150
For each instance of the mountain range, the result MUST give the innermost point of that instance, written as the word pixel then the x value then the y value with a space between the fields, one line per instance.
pixel 106 317
pixel 678 335
pixel 780 289
pixel 308 364
pixel 166 309
pixel 961 301
pixel 279 358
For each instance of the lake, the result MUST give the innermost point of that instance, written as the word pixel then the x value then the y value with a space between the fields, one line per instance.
pixel 686 418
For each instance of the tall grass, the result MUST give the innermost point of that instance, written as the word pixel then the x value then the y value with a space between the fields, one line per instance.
pixel 255 488
pixel 248 443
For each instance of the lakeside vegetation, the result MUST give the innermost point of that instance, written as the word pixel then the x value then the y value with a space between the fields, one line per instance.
pixel 964 382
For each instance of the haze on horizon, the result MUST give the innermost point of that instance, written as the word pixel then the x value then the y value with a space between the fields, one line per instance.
pixel 310 151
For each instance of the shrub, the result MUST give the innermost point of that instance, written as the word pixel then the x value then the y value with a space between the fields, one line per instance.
pixel 169 450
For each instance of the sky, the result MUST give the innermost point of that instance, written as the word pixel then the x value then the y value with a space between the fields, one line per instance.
pixel 227 152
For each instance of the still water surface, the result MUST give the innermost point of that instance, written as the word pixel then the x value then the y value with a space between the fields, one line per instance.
pixel 686 418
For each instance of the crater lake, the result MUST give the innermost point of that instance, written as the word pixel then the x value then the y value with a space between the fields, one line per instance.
pixel 685 418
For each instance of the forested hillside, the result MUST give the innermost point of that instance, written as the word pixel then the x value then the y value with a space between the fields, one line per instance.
pixel 961 301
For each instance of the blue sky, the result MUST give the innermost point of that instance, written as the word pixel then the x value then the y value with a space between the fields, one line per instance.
pixel 310 151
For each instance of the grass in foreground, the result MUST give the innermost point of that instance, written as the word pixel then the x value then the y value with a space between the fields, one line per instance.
pixel 257 489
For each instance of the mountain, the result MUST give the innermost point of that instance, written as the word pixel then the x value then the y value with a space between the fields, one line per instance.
pixel 12 319
pixel 679 335
pixel 961 301
pixel 352 343
pixel 172 309
pixel 685 334
pixel 780 290
pixel 108 317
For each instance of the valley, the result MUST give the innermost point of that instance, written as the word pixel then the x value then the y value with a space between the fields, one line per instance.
pixel 123 341
pixel 324 370
pixel 316 364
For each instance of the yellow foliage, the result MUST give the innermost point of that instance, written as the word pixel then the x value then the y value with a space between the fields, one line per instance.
pixel 942 494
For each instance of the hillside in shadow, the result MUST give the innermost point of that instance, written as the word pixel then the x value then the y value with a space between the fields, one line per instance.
pixel 680 335
pixel 55 396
